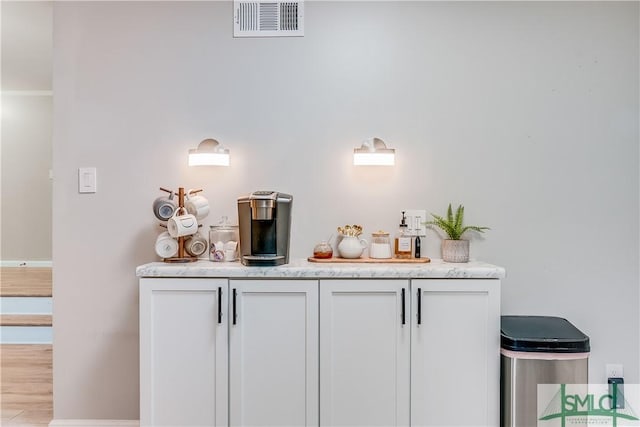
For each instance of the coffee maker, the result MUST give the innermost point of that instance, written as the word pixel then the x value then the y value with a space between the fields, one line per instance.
pixel 264 218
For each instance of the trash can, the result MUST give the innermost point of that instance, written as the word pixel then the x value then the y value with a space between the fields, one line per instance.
pixel 537 350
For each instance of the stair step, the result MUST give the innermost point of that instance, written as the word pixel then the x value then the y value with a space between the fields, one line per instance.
pixel 25 282
pixel 25 320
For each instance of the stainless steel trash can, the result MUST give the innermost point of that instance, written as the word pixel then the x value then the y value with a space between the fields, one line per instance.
pixel 537 350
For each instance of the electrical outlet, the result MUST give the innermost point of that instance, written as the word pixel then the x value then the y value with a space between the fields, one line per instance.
pixel 615 378
pixel 415 222
pixel 616 389
pixel 614 370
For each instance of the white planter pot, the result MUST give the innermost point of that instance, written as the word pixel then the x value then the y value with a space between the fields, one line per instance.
pixel 455 250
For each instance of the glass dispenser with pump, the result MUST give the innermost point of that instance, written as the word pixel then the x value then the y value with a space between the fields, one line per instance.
pixel 402 246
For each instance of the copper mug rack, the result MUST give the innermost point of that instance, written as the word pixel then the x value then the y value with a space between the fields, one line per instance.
pixel 183 256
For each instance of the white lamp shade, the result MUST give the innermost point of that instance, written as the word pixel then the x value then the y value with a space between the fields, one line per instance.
pixel 374 159
pixel 209 153
pixel 374 152
pixel 208 159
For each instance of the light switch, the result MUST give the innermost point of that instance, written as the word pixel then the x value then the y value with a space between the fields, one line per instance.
pixel 87 180
pixel 415 222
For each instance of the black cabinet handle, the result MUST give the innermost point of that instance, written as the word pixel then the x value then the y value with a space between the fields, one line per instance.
pixel 219 304
pixel 235 313
pixel 419 306
pixel 403 307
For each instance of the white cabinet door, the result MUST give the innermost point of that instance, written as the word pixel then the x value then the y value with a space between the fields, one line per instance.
pixel 183 352
pixel 273 353
pixel 364 352
pixel 455 353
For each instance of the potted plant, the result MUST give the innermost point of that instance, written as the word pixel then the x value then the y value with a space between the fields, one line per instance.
pixel 454 249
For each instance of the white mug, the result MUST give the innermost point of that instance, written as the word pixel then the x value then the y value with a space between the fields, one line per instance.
pixel 195 245
pixel 182 225
pixel 166 246
pixel 197 205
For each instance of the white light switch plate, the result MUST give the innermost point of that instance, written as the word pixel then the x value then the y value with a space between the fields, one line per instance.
pixel 87 180
pixel 415 220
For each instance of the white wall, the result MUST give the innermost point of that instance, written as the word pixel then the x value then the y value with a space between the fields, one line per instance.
pixel 525 112
pixel 26 187
pixel 26 126
pixel 26 44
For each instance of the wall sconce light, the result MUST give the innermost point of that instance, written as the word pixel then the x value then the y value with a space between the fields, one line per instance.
pixel 374 152
pixel 209 153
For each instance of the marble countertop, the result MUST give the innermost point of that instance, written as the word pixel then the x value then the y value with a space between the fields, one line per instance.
pixel 301 268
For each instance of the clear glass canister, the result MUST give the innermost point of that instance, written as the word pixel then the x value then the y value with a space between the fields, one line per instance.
pixel 323 250
pixel 380 245
pixel 224 243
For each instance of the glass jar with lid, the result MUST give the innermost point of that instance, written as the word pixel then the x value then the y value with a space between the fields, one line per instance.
pixel 323 250
pixel 224 243
pixel 380 247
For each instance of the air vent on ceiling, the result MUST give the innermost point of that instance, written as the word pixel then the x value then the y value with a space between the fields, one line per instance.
pixel 268 19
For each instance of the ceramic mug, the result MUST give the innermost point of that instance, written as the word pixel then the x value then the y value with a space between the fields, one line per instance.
pixel 166 246
pixel 182 225
pixel 164 207
pixel 196 205
pixel 230 251
pixel 195 245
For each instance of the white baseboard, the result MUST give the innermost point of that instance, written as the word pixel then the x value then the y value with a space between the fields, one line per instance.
pixel 25 263
pixel 94 423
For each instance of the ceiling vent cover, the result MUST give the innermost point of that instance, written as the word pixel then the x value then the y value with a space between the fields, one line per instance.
pixel 268 18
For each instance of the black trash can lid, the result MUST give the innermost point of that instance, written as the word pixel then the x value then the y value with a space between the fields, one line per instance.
pixel 544 334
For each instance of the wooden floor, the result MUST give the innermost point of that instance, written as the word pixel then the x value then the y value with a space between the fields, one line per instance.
pixel 27 388
pixel 26 370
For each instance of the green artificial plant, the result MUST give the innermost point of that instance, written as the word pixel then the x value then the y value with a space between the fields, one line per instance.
pixel 453 224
